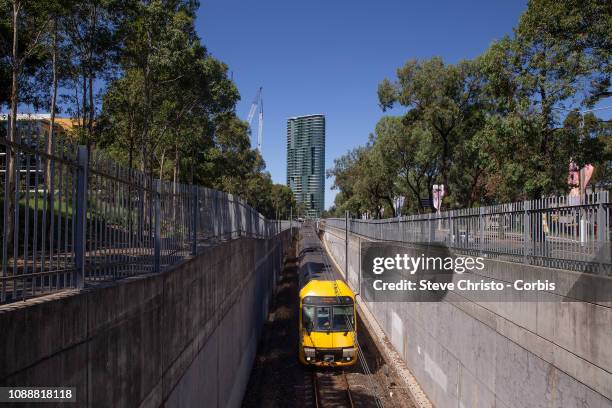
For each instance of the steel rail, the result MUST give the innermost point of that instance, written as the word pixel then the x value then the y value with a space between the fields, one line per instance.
pixel 348 390
pixel 315 386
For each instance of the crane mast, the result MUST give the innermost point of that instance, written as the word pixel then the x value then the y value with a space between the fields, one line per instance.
pixel 257 105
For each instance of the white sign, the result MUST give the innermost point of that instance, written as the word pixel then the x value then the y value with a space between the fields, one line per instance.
pixel 398 203
pixel 438 195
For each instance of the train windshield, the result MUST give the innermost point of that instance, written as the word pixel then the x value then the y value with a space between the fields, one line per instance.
pixel 343 318
pixel 328 318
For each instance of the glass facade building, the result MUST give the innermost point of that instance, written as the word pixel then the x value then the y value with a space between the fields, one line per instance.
pixel 306 161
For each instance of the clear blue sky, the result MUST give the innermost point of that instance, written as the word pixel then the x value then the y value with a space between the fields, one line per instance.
pixel 316 56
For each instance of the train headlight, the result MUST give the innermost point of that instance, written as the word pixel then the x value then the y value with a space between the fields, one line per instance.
pixel 348 353
pixel 309 352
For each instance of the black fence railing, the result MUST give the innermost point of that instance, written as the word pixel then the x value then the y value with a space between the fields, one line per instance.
pixel 74 218
pixel 568 232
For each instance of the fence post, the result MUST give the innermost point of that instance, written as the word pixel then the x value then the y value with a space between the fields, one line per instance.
pixel 157 246
pixel 81 213
pixel 399 229
pixel 346 244
pixel 196 212
pixel 451 227
pixel 358 266
pixel 481 225
pixel 526 231
pixel 602 228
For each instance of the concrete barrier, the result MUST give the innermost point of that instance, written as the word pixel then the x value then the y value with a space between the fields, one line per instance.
pixel 469 353
pixel 183 338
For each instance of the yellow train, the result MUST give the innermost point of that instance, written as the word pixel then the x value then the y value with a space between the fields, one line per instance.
pixel 328 327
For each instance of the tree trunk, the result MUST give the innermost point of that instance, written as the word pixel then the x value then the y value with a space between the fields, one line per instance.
pixel 175 181
pixel 146 72
pixel 176 169
pixel 13 136
pixel 131 146
pixel 16 65
pixel 92 111
pixel 161 166
pixel 51 137
pixel 76 99
pixel 389 201
pixel 415 191
pixel 131 173
pixel 84 96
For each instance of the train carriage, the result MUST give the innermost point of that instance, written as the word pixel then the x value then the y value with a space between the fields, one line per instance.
pixel 327 315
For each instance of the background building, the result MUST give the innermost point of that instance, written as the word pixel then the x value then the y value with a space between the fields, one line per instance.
pixel 306 161
pixel 33 130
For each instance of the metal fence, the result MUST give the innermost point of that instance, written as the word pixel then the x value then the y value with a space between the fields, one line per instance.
pixel 72 218
pixel 560 232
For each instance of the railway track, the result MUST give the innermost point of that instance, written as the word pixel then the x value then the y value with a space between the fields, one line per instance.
pixel 331 389
pixel 278 380
pixel 353 387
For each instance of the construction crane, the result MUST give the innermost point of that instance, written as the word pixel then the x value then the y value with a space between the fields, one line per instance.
pixel 257 104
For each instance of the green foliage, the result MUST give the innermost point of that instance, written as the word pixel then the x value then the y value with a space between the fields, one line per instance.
pixel 569 42
pixel 365 182
pixel 164 105
pixel 557 60
pixel 5 46
pixel 434 141
pixel 171 113
pixel 499 128
pixel 33 20
pixel 283 201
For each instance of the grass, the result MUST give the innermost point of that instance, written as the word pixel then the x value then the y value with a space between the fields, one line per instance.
pixel 28 212
pixel 32 209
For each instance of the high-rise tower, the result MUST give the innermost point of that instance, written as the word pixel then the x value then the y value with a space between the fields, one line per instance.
pixel 306 161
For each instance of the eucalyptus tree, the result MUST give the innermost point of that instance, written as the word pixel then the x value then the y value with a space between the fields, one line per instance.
pixel 558 61
pixel 94 31
pixel 150 50
pixel 410 157
pixel 375 182
pixel 229 160
pixel 365 181
pixel 203 98
pixel 121 117
pixel 283 201
pixel 575 36
pixel 344 173
pixel 5 56
pixel 25 23
pixel 442 100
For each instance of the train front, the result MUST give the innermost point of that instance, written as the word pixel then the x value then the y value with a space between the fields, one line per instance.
pixel 327 324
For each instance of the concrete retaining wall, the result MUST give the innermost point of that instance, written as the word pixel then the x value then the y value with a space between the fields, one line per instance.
pixel 491 354
pixel 186 337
